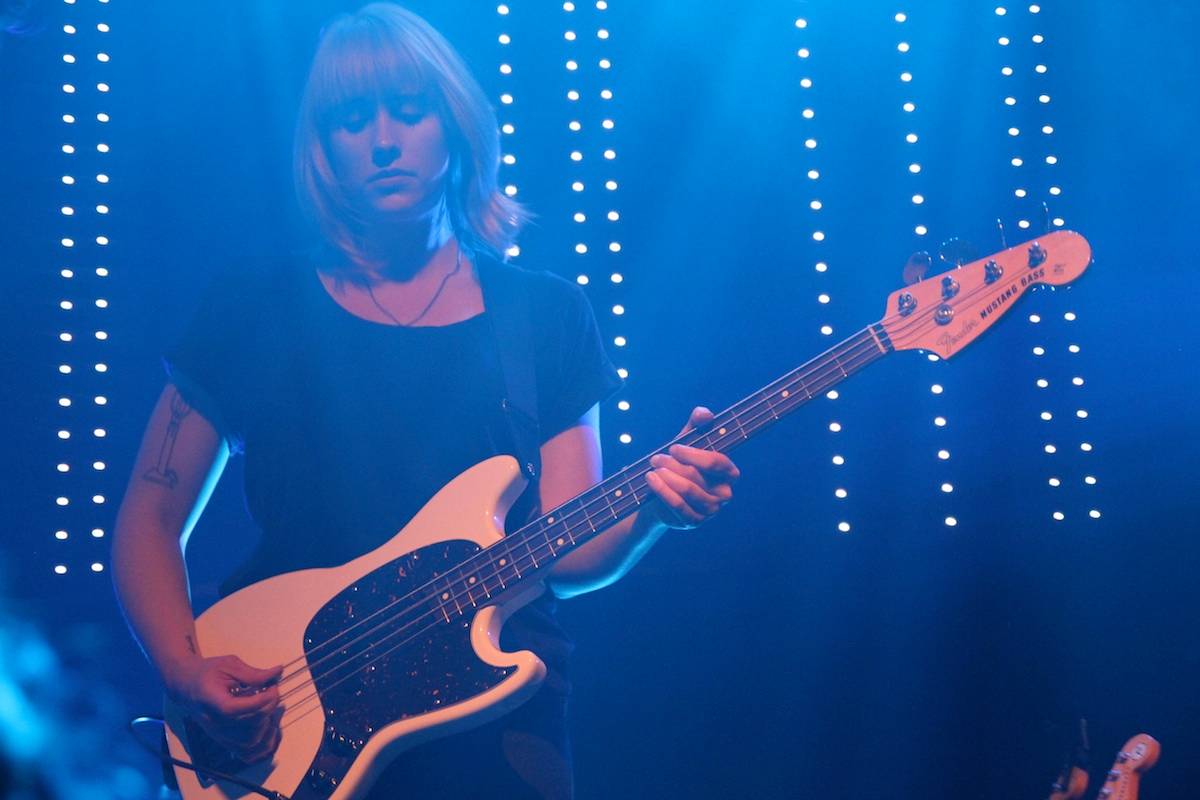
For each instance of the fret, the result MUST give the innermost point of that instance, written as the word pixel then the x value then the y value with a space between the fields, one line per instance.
pixel 558 538
pixel 625 489
pixel 615 516
pixel 735 420
pixel 770 405
pixel 624 492
pixel 529 549
pixel 546 534
pixel 802 387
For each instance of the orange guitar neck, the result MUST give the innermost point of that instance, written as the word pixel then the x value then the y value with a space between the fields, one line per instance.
pixel 1137 756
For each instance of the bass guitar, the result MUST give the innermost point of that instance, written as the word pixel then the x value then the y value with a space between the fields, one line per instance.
pixel 401 645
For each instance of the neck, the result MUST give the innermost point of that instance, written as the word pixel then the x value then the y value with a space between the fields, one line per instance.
pixel 526 552
pixel 399 250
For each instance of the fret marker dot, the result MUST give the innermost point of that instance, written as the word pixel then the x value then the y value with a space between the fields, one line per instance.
pixel 617 493
pixel 721 431
pixel 561 542
pixel 445 595
pixel 550 520
pixel 785 393
pixel 471 579
pixel 503 562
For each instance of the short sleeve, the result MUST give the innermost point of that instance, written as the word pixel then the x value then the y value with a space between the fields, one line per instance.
pixel 574 371
pixel 208 364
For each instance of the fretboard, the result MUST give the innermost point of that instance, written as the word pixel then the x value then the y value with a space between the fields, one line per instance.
pixel 530 550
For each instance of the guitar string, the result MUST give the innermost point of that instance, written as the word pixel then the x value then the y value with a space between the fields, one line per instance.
pixel 883 322
pixel 297 705
pixel 461 569
pixel 854 368
pixel 449 583
pixel 866 339
pixel 531 554
pixel 564 519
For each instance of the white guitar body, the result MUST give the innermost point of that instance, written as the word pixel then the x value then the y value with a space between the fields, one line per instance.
pixel 265 624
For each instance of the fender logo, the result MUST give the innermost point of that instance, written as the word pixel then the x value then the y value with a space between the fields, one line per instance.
pixel 947 341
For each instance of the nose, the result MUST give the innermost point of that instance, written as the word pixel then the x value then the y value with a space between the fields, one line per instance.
pixel 385 144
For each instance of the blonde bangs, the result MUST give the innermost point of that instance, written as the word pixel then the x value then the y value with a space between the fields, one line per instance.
pixel 380 52
pixel 364 59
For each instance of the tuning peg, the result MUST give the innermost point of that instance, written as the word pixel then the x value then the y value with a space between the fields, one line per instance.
pixel 1003 241
pixel 956 252
pixel 918 264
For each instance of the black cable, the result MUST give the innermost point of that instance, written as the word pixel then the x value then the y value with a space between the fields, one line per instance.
pixel 209 773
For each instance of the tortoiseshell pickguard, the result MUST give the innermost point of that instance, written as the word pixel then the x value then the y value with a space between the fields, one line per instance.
pixel 413 666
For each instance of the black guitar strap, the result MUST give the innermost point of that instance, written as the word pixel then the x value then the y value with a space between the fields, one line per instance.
pixel 506 298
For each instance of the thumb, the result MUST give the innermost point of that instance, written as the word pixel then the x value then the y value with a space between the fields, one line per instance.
pixel 252 676
pixel 700 417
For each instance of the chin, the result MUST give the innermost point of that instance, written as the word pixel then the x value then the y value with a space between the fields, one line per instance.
pixel 404 205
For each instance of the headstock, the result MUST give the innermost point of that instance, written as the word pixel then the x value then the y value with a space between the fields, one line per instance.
pixel 945 313
pixel 1137 756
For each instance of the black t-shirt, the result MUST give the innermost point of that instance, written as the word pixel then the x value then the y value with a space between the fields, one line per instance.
pixel 349 426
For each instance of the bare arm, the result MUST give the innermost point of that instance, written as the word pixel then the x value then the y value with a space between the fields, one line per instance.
pixel 178 464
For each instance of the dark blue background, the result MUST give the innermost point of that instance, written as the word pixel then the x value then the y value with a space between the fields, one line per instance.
pixel 767 654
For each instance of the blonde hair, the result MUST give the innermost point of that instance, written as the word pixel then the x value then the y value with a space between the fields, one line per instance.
pixel 380 49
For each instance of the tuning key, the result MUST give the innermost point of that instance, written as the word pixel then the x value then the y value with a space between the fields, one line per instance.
pixel 949 287
pixel 916 267
pixel 1037 255
pixel 992 271
pixel 956 252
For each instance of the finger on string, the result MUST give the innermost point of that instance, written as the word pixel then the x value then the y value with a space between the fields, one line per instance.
pixel 250 677
pixel 672 502
pixel 697 501
pixel 696 495
pixel 243 706
pixel 664 461
pixel 708 461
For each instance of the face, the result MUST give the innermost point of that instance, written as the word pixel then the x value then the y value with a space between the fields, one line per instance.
pixel 390 155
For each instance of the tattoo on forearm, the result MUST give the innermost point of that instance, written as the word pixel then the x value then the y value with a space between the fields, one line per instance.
pixel 191 644
pixel 162 473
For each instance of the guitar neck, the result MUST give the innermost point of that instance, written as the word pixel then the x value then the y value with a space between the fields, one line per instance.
pixel 543 541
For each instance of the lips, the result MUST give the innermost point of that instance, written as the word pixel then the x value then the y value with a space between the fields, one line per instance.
pixel 391 173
